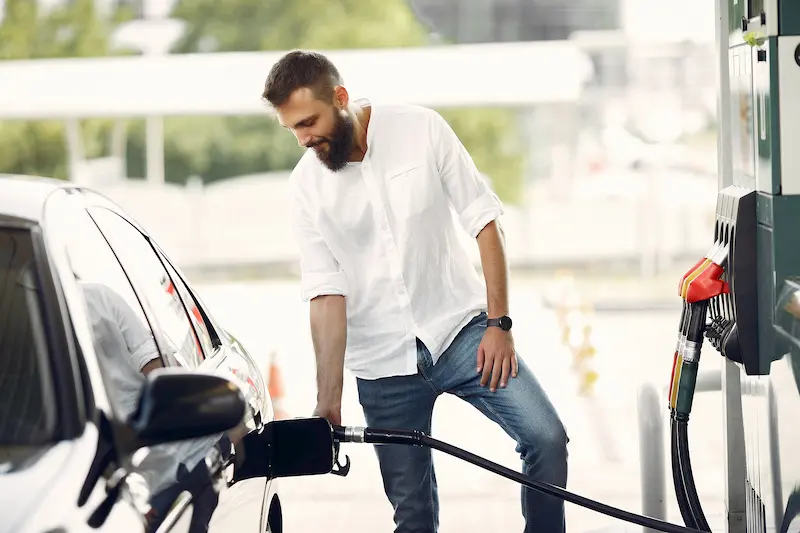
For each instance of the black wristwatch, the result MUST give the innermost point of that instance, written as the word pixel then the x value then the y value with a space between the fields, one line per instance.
pixel 504 322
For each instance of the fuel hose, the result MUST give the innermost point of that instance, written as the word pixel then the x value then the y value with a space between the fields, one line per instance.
pixel 369 435
pixel 698 288
pixel 681 398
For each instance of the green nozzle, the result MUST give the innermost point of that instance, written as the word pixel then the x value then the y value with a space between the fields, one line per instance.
pixel 686 385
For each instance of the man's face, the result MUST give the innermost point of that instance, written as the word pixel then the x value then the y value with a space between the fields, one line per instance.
pixel 320 126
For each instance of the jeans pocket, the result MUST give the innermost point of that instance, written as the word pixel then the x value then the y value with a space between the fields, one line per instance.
pixel 479 320
pixel 369 392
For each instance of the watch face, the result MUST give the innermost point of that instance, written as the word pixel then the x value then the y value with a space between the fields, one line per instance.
pixel 505 323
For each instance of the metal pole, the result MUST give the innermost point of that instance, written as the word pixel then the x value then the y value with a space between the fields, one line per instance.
pixel 651 455
pixel 155 150
pixel 119 146
pixel 76 156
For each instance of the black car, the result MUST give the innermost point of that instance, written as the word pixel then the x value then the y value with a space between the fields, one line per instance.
pixel 118 389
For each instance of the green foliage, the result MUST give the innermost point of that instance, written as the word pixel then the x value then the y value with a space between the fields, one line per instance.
pixel 216 148
pixel 248 25
pixel 36 148
pixel 72 30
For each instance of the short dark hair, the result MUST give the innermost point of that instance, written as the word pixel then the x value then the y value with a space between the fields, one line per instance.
pixel 301 69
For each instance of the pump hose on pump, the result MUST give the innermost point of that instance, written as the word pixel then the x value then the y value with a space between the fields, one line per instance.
pixel 698 286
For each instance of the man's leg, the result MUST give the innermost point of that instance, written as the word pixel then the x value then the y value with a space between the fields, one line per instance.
pixel 526 414
pixel 404 402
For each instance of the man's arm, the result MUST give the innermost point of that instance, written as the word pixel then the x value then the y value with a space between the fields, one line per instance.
pixel 478 209
pixel 328 318
pixel 324 285
pixel 495 268
pixel 497 359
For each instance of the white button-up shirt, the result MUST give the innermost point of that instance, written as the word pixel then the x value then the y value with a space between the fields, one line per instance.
pixel 381 232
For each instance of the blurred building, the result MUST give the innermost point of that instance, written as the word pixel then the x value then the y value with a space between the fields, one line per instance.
pixel 653 71
pixel 480 21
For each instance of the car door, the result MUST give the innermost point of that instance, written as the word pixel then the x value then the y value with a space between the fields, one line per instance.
pixel 134 310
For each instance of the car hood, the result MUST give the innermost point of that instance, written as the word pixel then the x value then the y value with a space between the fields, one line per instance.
pixel 26 474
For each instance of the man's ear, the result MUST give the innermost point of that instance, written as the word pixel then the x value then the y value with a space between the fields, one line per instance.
pixel 341 98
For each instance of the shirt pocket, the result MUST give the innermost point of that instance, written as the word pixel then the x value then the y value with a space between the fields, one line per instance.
pixel 409 189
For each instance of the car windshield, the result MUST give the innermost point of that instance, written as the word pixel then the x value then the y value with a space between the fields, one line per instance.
pixel 25 405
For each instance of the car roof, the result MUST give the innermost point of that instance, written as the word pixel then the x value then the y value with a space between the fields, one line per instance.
pixel 22 197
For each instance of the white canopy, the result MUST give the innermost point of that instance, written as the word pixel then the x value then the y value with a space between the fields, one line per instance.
pixel 231 83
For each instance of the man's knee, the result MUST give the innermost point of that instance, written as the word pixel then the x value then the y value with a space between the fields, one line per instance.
pixel 544 447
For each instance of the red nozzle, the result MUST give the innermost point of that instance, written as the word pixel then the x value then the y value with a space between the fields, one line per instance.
pixel 706 285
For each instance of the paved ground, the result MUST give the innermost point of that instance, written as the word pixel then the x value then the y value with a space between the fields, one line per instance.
pixel 632 347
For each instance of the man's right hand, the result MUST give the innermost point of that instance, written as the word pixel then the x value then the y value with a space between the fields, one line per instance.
pixel 332 413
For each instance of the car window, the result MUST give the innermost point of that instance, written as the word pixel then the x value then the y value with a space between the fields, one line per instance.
pixel 125 344
pixel 176 334
pixel 191 308
pixel 27 411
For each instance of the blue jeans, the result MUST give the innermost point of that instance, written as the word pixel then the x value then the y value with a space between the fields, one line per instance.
pixel 522 409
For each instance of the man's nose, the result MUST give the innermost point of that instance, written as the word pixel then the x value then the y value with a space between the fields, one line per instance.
pixel 304 139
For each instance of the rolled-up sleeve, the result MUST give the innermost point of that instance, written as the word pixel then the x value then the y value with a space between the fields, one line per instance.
pixel 470 196
pixel 320 272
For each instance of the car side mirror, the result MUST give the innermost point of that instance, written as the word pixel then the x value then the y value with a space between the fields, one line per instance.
pixel 177 405
pixel 287 448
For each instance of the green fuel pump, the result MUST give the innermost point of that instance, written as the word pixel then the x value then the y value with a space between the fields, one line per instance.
pixel 744 296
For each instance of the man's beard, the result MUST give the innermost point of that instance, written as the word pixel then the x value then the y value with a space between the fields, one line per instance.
pixel 340 143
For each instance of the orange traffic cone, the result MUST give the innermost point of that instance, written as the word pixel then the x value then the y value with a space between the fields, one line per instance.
pixel 275 387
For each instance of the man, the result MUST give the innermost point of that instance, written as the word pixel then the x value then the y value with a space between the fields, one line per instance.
pixel 394 298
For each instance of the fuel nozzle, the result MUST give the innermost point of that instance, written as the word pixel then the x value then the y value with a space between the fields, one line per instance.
pixel 698 286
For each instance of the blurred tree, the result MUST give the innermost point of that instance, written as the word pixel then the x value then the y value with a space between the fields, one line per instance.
pixel 27 32
pixel 220 147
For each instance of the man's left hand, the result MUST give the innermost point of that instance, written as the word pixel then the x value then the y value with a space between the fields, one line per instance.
pixel 496 358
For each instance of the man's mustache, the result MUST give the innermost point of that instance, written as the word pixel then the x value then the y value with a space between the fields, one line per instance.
pixel 314 144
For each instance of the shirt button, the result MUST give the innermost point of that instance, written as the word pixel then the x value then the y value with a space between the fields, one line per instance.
pixel 384 226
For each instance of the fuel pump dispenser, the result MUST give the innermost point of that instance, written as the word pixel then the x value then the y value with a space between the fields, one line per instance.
pixel 744 296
